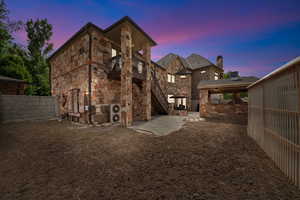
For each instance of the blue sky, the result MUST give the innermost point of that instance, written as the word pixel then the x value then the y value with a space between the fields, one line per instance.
pixel 254 37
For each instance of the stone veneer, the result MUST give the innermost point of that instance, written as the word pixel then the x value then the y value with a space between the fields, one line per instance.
pixel 197 76
pixel 69 70
pixel 182 86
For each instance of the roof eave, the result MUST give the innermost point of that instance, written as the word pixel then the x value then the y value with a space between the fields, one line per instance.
pixel 82 30
pixel 127 18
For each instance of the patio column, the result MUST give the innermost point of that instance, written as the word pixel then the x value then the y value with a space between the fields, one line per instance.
pixel 236 98
pixel 203 100
pixel 126 76
pixel 147 82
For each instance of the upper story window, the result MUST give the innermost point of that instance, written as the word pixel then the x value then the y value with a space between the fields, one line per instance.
pixel 216 76
pixel 170 100
pixel 171 78
pixel 140 67
pixel 113 52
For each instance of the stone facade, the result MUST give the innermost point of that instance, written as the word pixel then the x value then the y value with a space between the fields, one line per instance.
pixel 208 109
pixel 204 73
pixel 181 86
pixel 87 56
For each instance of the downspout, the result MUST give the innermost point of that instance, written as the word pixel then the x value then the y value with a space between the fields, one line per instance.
pixel 90 78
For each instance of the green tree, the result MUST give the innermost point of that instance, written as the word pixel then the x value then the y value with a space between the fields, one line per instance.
pixel 39 33
pixel 6 28
pixel 12 56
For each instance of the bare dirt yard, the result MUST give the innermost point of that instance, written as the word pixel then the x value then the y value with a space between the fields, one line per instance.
pixel 204 160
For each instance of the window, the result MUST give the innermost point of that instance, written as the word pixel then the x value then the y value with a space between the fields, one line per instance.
pixel 202 72
pixel 140 67
pixel 183 76
pixel 170 100
pixel 181 104
pixel 171 78
pixel 113 52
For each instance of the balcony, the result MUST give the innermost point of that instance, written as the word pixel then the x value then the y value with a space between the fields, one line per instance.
pixel 138 68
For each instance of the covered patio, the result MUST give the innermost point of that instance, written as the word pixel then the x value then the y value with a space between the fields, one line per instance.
pixel 223 97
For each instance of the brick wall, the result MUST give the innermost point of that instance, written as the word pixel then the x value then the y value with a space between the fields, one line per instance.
pixel 21 108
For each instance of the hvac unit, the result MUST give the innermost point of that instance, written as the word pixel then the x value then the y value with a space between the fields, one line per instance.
pixel 115 113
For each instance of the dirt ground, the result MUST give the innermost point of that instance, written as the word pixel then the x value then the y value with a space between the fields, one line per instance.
pixel 204 160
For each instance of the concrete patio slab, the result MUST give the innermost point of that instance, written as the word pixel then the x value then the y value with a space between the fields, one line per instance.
pixel 160 126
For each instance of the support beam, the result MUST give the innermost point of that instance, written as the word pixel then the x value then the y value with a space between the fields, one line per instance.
pixel 147 82
pixel 203 100
pixel 126 76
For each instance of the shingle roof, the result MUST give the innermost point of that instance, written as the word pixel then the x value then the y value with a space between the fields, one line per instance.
pixel 196 61
pixel 164 61
pixel 5 78
pixel 240 81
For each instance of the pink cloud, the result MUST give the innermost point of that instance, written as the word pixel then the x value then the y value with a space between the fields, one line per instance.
pixel 173 31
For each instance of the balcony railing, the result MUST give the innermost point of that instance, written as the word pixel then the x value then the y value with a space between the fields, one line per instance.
pixel 138 68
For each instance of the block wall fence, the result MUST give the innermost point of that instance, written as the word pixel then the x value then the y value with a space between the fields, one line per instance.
pixel 22 108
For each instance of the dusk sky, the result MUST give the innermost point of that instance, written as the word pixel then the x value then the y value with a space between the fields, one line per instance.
pixel 254 37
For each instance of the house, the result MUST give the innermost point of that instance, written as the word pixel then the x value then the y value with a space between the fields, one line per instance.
pixel 177 83
pixel 12 86
pixel 97 68
pixel 183 76
pixel 203 69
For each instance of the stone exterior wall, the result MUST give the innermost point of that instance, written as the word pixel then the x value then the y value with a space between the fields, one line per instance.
pixel 197 76
pixel 70 70
pixel 182 86
pixel 208 110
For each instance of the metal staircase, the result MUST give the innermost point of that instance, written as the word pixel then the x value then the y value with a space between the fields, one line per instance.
pixel 158 96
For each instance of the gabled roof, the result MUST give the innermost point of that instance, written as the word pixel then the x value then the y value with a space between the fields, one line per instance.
pixel 164 61
pixel 8 79
pixel 128 19
pixel 196 61
pixel 89 24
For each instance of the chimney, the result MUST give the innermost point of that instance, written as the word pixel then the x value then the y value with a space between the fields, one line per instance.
pixel 219 62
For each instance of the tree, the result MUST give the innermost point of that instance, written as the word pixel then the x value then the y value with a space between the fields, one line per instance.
pixel 6 28
pixel 39 33
pixel 12 56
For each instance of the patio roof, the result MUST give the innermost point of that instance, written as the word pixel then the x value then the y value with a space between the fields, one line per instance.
pixel 227 85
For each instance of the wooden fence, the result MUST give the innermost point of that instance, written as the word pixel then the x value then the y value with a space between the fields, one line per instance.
pixel 274 117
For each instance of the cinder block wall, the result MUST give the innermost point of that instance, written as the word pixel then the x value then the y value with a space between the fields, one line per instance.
pixel 22 108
